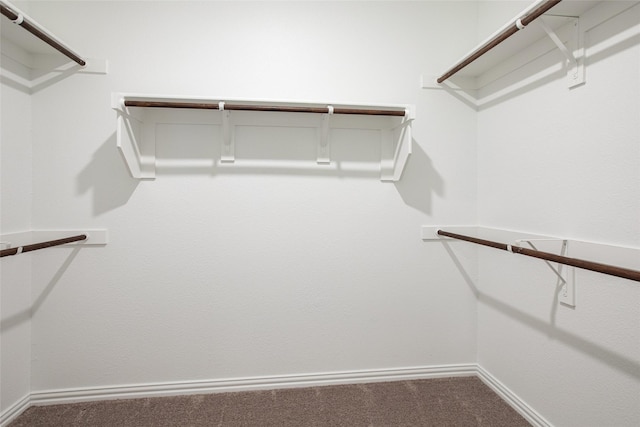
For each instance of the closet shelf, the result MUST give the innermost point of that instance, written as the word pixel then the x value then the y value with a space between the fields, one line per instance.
pixel 36 55
pixel 20 242
pixel 544 26
pixel 139 115
pixel 19 18
pixel 625 273
pixel 470 234
pixel 42 245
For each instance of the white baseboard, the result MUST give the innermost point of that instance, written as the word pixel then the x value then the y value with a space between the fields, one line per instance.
pixel 14 410
pixel 512 399
pixel 52 397
pixel 245 384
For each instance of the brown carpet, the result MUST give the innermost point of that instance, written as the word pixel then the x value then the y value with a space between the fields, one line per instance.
pixel 434 402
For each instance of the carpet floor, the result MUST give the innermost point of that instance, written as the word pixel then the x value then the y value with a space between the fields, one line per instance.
pixel 451 402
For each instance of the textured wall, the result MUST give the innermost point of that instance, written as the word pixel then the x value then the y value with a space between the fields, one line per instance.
pixel 249 271
pixel 15 272
pixel 565 163
pixel 255 270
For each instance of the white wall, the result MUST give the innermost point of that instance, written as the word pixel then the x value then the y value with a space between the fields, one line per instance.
pixel 249 272
pixel 15 272
pixel 246 272
pixel 565 163
pixel 15 217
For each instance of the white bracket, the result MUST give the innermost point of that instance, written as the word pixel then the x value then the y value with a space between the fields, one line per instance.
pixel 228 154
pixel 566 275
pixel 396 149
pixel 138 155
pixel 323 144
pixel 574 53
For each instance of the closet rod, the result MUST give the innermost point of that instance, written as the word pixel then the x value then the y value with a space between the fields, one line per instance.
pixel 502 36
pixel 277 108
pixel 42 245
pixel 574 262
pixel 19 18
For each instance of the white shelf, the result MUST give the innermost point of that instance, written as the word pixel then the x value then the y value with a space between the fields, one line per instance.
pixel 137 127
pixel 30 63
pixel 568 21
pixel 94 237
pixel 556 17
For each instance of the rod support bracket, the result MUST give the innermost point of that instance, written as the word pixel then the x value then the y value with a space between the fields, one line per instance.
pixel 19 20
pixel 323 143
pixel 560 270
pixel 573 51
pixel 228 154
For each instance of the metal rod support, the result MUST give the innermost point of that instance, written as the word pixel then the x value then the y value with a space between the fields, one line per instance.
pixel 41 245
pixel 574 262
pixel 40 33
pixel 499 38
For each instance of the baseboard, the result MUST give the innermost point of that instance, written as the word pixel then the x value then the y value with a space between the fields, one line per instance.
pixel 14 410
pixel 52 397
pixel 512 399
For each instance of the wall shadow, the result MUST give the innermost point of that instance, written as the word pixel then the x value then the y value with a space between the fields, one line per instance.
pixel 31 81
pixel 266 148
pixel 107 177
pixel 23 316
pixel 605 355
pixel 420 180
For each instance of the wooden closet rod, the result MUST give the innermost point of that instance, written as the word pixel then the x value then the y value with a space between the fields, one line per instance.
pixel 574 262
pixel 33 28
pixel 502 36
pixel 41 245
pixel 277 108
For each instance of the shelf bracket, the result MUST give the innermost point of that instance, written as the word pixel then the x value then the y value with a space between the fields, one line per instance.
pixel 323 144
pixel 228 154
pixel 558 271
pixel 566 285
pixel 396 149
pixel 575 56
pixel 138 151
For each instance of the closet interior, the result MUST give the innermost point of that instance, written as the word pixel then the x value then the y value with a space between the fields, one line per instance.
pixel 283 205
